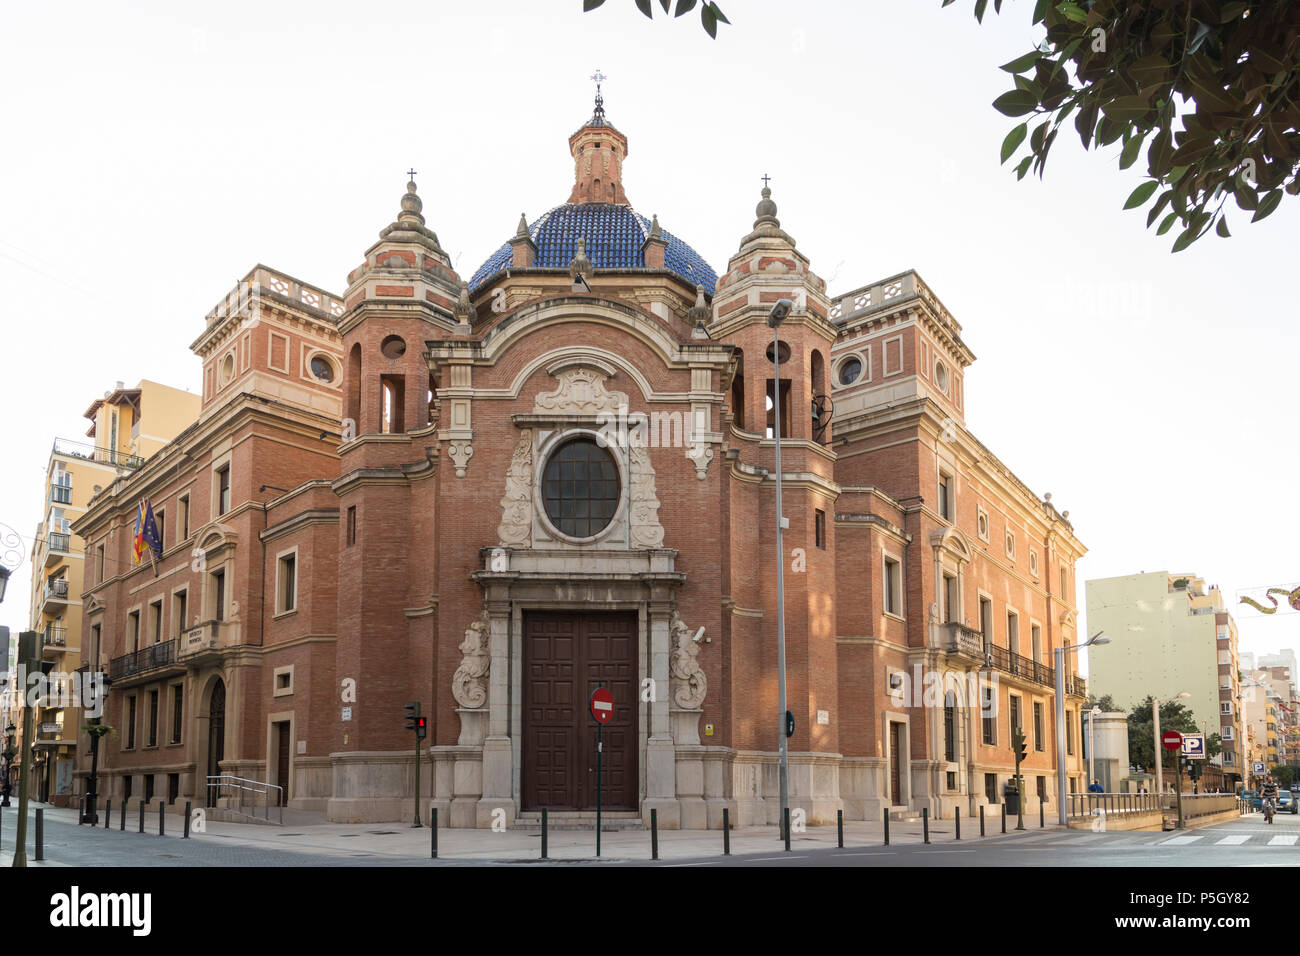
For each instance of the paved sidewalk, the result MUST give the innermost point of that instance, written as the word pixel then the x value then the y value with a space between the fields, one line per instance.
pixel 396 843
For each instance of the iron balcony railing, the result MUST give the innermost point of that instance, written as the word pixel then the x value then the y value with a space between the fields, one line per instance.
pixel 145 659
pixel 1017 666
pixel 55 636
pixel 58 541
pixel 56 588
pixel 95 453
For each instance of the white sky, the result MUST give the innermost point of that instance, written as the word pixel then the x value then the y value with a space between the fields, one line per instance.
pixel 154 152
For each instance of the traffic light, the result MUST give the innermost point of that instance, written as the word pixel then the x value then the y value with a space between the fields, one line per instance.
pixel 1019 746
pixel 421 728
pixel 789 724
pixel 413 716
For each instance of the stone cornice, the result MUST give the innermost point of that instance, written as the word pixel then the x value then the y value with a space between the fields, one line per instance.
pixel 299 521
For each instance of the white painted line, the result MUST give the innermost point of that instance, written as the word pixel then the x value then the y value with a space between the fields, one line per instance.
pixel 1282 841
pixel 708 863
pixel 1233 840
pixel 1180 841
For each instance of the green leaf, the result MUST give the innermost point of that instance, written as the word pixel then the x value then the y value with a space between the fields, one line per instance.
pixel 1129 154
pixel 980 6
pixel 644 7
pixel 1013 141
pixel 1267 204
pixel 1072 11
pixel 1016 103
pixel 1126 109
pixel 717 12
pixel 710 20
pixel 1245 196
pixel 1221 227
pixel 666 4
pixel 1168 222
pixel 1149 70
pixel 1161 202
pixel 589 5
pixel 1022 63
pixel 1023 167
pixel 1140 195
pixel 1040 10
pixel 684 6
pixel 1186 238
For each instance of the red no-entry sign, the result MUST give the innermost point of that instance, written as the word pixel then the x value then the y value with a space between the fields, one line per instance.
pixel 1172 739
pixel 602 705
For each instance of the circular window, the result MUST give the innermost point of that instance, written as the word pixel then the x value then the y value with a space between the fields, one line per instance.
pixel 322 369
pixel 785 353
pixel 228 368
pixel 580 488
pixel 850 371
pixel 941 376
pixel 393 347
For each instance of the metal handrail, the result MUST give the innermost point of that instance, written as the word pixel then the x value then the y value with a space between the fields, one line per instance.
pixel 242 785
pixel 1088 804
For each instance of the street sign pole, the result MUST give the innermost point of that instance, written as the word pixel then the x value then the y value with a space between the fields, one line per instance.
pixel 1178 758
pixel 602 709
pixel 600 740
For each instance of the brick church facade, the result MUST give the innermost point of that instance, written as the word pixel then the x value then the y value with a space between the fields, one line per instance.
pixel 493 494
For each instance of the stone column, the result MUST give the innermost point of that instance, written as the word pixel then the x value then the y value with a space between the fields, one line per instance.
pixel 498 754
pixel 660 762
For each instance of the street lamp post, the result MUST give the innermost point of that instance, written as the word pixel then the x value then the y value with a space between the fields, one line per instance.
pixel 1059 660
pixel 778 315
pixel 1092 719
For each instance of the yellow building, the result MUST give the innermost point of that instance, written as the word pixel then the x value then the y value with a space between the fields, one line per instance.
pixel 127 426
pixel 1170 634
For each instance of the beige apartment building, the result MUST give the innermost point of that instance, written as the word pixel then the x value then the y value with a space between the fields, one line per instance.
pixel 1170 634
pixel 127 425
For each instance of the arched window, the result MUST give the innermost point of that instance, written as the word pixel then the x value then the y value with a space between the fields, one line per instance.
pixel 353 406
pixel 738 391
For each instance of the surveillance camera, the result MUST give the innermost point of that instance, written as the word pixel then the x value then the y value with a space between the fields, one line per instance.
pixel 699 634
pixel 779 312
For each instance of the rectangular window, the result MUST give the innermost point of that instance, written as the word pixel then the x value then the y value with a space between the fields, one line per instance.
pixel 951 599
pixel 287 586
pixel 133 631
pixel 219 595
pixel 991 787
pixel 155 622
pixel 1036 640
pixel 1062 583
pixel 180 611
pixel 127 782
pixel 94 646
pixel 785 409
pixel 989 722
pixel 819 522
pixel 130 722
pixel 173 787
pixel 893 587
pixel 1069 732
pixel 178 706
pixel 1038 726
pixel 183 529
pixel 1013 632
pixel 949 729
pixel 223 490
pixel 986 621
pixel 392 397
pixel 148 788
pixel 945 497
pixel 99 564
pixel 153 718
pixel 1225 706
pixel 1014 707
pixel 352 525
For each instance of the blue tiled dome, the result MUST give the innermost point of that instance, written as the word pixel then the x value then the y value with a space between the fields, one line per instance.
pixel 614 234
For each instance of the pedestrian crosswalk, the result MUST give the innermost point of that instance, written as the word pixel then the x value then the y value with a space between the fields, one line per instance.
pixel 1258 838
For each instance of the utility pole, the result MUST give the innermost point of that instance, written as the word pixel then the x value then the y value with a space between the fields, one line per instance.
pixel 28 656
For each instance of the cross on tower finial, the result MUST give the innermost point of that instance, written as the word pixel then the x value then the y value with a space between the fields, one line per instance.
pixel 766 177
pixel 411 173
pixel 599 114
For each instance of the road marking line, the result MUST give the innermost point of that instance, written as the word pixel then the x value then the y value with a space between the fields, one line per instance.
pixel 1232 840
pixel 1282 841
pixel 1180 841
pixel 764 859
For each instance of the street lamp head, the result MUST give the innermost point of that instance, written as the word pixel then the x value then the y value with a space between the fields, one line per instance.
pixel 4 581
pixel 1184 695
pixel 1100 640
pixel 780 310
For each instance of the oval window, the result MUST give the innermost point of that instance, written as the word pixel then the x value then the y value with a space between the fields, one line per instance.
pixel 941 376
pixel 322 369
pixel 850 371
pixel 393 347
pixel 580 488
pixel 785 353
pixel 228 368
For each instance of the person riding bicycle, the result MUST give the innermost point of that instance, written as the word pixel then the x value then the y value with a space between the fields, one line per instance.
pixel 1268 793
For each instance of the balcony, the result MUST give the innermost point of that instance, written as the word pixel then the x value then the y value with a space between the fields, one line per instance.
pixel 54 641
pixel 1017 666
pixel 146 659
pixel 55 595
pixel 965 642
pixel 58 545
pixel 107 456
pixel 1076 686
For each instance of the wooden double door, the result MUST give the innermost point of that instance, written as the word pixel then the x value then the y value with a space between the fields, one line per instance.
pixel 567 655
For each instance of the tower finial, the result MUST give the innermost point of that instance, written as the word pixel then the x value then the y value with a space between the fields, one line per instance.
pixel 598 117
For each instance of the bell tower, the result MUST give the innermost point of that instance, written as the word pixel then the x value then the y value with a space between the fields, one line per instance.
pixel 598 151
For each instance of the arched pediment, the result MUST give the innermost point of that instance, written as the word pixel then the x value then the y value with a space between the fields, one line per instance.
pixel 215 535
pixel 953 541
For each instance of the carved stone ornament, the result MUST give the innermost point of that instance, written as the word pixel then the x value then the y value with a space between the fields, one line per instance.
pixel 645 529
pixel 516 525
pixel 460 452
pixel 688 683
pixel 469 685
pixel 581 391
pixel 701 454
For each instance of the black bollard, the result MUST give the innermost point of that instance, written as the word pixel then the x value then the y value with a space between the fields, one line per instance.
pixel 925 823
pixel 839 827
pixel 1041 820
pixel 956 819
pixel 162 806
pixel 1004 818
pixel 40 834
pixel 654 834
pixel 543 833
pixel 108 812
pixel 123 815
pixel 787 829
pixel 81 812
pixel 142 816
pixel 981 819
pixel 726 832
pixel 433 834
pixel 886 826
pixel 186 835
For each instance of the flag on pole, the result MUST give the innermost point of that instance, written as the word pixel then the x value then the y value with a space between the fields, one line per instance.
pixel 146 532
